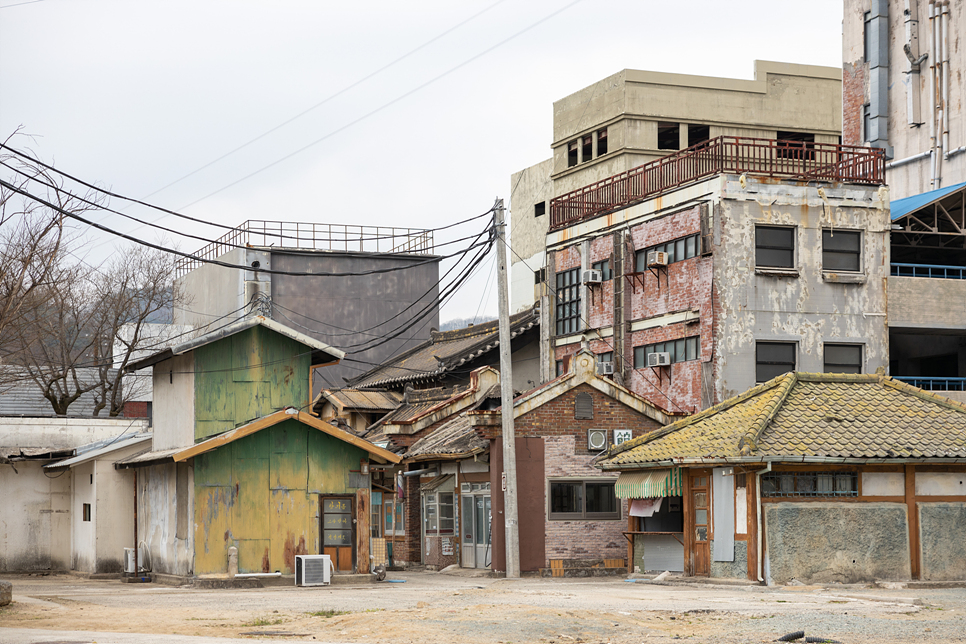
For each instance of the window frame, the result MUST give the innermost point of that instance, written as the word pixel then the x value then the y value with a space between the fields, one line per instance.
pixel 540 208
pixel 433 500
pixel 857 253
pixel 669 126
pixel 583 514
pixel 692 341
pixel 805 484
pixel 758 362
pixel 838 345
pixel 690 245
pixel 793 249
pixel 602 142
pixel 606 273
pixel 573 153
pixel 567 305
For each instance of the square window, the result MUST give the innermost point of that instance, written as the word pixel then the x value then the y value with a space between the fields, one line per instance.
pixel 607 356
pixel 843 358
pixel 87 512
pixel 841 250
pixel 583 500
pixel 698 134
pixel 774 247
pixel 601 142
pixel 540 209
pixel 773 359
pixel 668 136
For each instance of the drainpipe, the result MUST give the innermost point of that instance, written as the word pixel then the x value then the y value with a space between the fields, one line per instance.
pixel 932 90
pixel 958 150
pixel 137 567
pixel 901 162
pixel 761 561
pixel 945 74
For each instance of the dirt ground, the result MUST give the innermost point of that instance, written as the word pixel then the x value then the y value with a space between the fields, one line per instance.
pixel 426 608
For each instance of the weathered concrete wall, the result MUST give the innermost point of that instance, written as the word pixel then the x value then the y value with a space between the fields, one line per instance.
pixel 174 414
pixel 941 530
pixel 924 303
pixel 161 526
pixel 6 593
pixel 213 291
pixel 844 542
pixel 737 569
pixel 114 519
pixel 63 433
pixel 261 495
pixel 906 140
pixel 806 306
pixel 34 519
pixel 528 232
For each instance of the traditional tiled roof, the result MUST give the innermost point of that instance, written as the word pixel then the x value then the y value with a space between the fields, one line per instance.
pixel 453 439
pixel 359 399
pixel 445 351
pixel 808 416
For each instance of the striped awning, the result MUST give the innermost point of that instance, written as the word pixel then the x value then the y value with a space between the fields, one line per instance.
pixel 649 484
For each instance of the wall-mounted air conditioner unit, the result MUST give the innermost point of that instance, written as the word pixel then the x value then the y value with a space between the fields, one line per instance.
pixel 605 368
pixel 662 359
pixel 313 570
pixel 656 258
pixel 596 439
pixel 592 277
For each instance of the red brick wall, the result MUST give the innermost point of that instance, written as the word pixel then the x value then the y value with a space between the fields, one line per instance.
pixel 135 409
pixel 600 299
pixel 409 551
pixel 854 86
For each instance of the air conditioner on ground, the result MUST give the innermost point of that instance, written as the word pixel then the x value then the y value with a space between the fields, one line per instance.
pixel 656 258
pixel 596 439
pixel 313 570
pixel 662 359
pixel 592 277
pixel 605 368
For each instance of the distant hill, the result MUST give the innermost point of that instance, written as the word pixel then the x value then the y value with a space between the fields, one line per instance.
pixel 459 323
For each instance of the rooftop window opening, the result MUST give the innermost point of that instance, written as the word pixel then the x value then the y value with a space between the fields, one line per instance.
pixel 668 136
pixel 572 157
pixel 540 209
pixel 587 148
pixel 698 134
pixel 801 145
pixel 601 142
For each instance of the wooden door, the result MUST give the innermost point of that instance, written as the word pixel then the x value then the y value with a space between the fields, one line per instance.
pixel 701 522
pixel 338 531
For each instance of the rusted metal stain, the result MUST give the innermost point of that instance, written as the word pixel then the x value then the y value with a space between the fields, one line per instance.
pixel 266 562
pixel 293 548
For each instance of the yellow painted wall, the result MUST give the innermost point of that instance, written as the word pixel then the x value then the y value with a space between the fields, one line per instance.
pixel 261 494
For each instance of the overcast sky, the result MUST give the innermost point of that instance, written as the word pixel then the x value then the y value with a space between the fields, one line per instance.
pixel 134 95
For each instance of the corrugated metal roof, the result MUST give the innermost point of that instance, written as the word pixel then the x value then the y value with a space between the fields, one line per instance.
pixel 802 415
pixel 111 446
pixel 902 207
pixel 445 351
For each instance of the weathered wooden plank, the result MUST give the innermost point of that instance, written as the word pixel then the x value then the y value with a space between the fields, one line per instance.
pixel 291 517
pixel 212 533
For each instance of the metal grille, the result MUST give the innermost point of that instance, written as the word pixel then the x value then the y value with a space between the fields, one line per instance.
pixel 724 154
pixel 809 484
pixel 313 236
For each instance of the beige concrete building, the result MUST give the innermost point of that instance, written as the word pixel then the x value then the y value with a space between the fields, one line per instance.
pixel 633 117
pixel 904 91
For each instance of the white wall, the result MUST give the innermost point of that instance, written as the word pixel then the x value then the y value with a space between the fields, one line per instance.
pixel 62 433
pixel 521 280
pixel 174 409
pixel 34 519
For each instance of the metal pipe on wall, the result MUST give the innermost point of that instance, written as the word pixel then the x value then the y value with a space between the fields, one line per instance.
pixel 944 34
pixel 932 90
pixel 761 563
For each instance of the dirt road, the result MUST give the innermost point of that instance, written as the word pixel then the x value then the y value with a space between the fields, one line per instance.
pixel 427 608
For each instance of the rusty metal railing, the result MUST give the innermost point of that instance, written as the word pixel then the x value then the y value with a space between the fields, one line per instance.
pixel 313 236
pixel 804 161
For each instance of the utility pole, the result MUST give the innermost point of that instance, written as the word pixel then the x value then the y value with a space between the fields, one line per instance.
pixel 512 541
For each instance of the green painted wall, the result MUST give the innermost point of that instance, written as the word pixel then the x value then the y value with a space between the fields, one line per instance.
pixel 261 494
pixel 246 376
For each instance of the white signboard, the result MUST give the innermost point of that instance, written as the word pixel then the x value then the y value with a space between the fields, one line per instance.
pixel 621 436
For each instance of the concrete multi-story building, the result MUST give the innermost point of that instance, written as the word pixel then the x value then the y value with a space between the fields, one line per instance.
pixel 337 283
pixel 634 117
pixel 903 89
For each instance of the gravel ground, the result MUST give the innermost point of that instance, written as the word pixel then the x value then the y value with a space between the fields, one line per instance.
pixel 432 607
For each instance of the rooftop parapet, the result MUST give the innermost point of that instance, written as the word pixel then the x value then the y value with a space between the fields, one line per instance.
pixel 804 161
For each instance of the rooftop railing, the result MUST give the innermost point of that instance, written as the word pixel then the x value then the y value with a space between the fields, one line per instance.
pixel 929 270
pixel 934 384
pixel 313 236
pixel 804 161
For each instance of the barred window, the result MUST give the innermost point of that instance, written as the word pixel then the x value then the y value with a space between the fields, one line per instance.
pixel 809 484
pixel 568 302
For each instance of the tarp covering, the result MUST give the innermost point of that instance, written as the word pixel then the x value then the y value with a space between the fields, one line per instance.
pixel 902 207
pixel 648 484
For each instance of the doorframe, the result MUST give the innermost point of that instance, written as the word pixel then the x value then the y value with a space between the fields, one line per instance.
pixel 690 540
pixel 352 516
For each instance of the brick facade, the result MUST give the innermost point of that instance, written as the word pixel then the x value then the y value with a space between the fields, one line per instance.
pixel 854 91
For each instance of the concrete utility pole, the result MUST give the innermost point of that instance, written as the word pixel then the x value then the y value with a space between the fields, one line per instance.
pixel 512 542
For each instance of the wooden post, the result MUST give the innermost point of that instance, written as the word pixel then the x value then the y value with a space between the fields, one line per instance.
pixel 912 511
pixel 363 513
pixel 631 527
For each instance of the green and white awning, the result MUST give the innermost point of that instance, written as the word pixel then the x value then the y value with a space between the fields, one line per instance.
pixel 649 484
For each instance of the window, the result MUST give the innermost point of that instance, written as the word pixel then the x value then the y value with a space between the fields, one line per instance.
pixel 604 268
pixel 394 523
pixel 607 356
pixel 559 368
pixel 87 512
pixel 601 142
pixel 540 209
pixel 677 251
pixel 774 247
pixel 572 157
pixel 809 484
pixel 668 136
pixel 843 358
pixel 773 359
pixel 841 250
pixel 587 148
pixel 680 350
pixel 866 35
pixel 438 513
pixel 375 519
pixel 539 276
pixel 698 134
pixel 568 301
pixel 866 123
pixel 583 500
